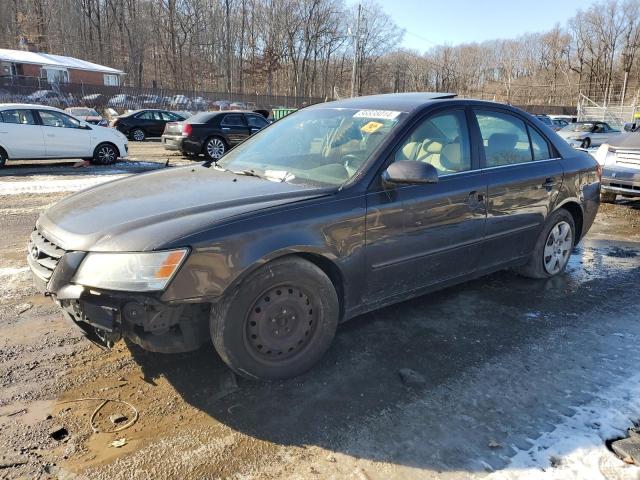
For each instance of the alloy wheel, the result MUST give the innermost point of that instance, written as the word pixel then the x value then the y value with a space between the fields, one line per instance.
pixel 106 155
pixel 138 135
pixel 215 148
pixel 557 248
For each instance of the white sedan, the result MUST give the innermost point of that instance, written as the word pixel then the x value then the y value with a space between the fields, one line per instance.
pixel 33 132
pixel 587 134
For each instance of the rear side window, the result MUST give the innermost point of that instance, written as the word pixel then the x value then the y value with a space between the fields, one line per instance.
pixel 233 120
pixel 504 137
pixel 24 117
pixel 148 116
pixel 539 145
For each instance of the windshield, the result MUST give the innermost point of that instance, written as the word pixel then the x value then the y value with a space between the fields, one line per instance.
pixel 578 127
pixel 325 146
pixel 84 112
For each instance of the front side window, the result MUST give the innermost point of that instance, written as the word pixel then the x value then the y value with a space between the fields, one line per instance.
pixel 24 117
pixel 318 146
pixel 55 119
pixel 504 138
pixel 442 141
pixel 256 121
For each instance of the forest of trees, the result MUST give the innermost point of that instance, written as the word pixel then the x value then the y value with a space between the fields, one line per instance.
pixel 306 48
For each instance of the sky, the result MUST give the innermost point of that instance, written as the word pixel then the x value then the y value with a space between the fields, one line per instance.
pixel 432 22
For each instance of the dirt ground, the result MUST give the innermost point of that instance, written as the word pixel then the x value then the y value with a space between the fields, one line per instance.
pixel 505 360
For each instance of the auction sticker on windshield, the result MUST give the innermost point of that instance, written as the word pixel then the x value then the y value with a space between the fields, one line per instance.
pixel 371 127
pixel 383 114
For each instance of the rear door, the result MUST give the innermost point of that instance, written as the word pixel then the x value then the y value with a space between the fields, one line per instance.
pixel 151 122
pixel 234 128
pixel 524 176
pixel 422 235
pixel 63 135
pixel 21 135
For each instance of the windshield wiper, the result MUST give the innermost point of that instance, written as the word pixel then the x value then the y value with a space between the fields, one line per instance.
pixel 250 173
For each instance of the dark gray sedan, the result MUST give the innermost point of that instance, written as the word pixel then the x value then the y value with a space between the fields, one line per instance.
pixel 335 210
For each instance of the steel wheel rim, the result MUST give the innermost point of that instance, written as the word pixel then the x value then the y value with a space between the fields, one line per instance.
pixel 281 323
pixel 215 148
pixel 106 154
pixel 557 248
pixel 138 135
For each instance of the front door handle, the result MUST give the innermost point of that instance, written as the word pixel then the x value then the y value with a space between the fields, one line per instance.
pixel 549 183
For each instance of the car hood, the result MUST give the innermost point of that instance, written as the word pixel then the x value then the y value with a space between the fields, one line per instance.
pixel 572 134
pixel 149 211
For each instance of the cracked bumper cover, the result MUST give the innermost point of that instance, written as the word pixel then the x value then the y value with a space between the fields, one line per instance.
pixel 143 318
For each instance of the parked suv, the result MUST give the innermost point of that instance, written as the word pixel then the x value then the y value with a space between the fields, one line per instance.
pixel 212 133
pixel 32 132
pixel 330 212
pixel 141 124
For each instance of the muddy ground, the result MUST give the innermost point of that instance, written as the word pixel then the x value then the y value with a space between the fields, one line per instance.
pixel 505 360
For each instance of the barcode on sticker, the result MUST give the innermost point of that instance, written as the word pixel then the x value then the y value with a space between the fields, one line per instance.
pixel 384 114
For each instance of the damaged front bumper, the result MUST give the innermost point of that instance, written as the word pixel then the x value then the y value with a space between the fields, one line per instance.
pixel 105 316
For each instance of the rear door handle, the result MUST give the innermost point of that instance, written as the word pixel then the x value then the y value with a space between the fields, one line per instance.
pixel 476 199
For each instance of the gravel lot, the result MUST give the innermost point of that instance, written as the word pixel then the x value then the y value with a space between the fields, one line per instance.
pixel 519 378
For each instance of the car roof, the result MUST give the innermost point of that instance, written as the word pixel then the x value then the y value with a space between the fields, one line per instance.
pixel 5 106
pixel 406 102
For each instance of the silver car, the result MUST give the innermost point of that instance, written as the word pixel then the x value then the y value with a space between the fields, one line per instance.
pixel 620 162
pixel 587 134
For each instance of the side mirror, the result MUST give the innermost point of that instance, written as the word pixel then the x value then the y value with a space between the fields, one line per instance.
pixel 410 172
pixel 84 125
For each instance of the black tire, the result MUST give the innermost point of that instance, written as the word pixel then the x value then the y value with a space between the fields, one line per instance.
pixel 188 154
pixel 538 264
pixel 214 147
pixel 138 135
pixel 586 143
pixel 278 322
pixel 3 158
pixel 608 197
pixel 105 154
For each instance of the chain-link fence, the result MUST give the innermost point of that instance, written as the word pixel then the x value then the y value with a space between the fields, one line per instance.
pixel 36 90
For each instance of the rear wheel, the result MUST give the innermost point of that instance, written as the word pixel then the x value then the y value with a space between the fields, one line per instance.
pixel 105 154
pixel 608 197
pixel 553 247
pixel 279 322
pixel 3 158
pixel 214 148
pixel 138 135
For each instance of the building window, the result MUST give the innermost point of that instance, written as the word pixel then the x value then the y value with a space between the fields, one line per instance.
pixel 55 75
pixel 111 80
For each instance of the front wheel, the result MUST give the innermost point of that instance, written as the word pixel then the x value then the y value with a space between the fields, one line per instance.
pixel 3 158
pixel 279 322
pixel 105 154
pixel 586 143
pixel 214 148
pixel 553 247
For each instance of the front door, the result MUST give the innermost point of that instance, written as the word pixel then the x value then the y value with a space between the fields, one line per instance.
pixel 21 134
pixel 235 128
pixel 63 135
pixel 524 178
pixel 423 235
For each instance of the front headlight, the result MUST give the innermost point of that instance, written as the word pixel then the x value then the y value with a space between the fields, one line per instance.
pixel 132 272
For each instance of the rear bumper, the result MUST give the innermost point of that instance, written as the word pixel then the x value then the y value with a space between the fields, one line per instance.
pixel 625 181
pixel 172 142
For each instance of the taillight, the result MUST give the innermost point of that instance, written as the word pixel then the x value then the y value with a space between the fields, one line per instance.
pixel 599 171
pixel 187 129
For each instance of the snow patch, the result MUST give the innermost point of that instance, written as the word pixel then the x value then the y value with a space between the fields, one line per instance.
pixel 10 271
pixel 576 448
pixel 53 184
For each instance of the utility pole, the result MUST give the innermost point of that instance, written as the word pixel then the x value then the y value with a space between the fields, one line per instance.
pixel 356 47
